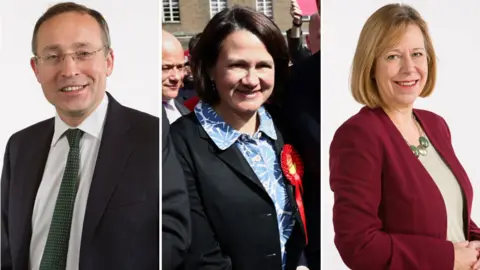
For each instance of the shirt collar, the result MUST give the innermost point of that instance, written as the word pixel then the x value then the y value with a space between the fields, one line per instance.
pixel 170 104
pixel 92 125
pixel 221 133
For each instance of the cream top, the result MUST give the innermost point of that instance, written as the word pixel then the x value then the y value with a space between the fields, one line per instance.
pixel 451 192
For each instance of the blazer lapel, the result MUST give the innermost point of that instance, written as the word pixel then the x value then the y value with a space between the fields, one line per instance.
pixel 443 148
pixel 112 159
pixel 28 176
pixel 406 154
pixel 234 159
pixel 279 143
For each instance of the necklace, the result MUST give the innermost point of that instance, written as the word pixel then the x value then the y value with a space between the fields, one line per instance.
pixel 421 149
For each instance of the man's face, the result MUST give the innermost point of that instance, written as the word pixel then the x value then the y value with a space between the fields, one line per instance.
pixel 73 63
pixel 173 62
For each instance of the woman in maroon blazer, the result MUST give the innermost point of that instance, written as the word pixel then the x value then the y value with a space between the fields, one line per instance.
pixel 402 199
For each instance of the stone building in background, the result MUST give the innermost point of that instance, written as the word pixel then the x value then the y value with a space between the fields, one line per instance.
pixel 185 18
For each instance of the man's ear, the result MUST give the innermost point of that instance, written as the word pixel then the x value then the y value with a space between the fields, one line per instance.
pixel 34 66
pixel 110 62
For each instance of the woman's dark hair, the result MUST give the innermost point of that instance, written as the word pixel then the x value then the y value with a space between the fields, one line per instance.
pixel 206 51
pixel 193 41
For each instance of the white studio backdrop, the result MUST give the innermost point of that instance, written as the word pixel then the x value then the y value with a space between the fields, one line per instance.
pixel 135 33
pixel 454 29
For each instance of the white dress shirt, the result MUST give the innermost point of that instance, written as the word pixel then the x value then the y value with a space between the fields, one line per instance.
pixel 52 178
pixel 172 111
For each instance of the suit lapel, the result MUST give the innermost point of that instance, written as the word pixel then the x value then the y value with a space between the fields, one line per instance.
pixel 181 108
pixel 112 159
pixel 24 188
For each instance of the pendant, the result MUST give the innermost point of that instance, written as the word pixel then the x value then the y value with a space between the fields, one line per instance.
pixel 415 150
pixel 422 150
pixel 423 141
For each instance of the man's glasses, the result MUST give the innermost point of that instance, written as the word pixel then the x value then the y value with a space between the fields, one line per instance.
pixel 78 56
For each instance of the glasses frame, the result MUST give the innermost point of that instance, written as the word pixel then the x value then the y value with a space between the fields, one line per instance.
pixel 73 55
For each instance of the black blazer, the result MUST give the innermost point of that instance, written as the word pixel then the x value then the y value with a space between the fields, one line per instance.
pixel 175 206
pixel 234 223
pixel 121 226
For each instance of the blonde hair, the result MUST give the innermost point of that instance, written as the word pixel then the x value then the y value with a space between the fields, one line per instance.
pixel 381 32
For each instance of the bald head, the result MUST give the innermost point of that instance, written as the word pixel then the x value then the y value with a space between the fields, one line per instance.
pixel 172 66
pixel 314 33
pixel 170 42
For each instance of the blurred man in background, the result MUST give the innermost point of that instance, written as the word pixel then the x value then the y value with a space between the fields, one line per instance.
pixel 173 72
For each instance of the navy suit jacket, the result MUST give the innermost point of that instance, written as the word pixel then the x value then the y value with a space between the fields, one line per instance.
pixel 121 224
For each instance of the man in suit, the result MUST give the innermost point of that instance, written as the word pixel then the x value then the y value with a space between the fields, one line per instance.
pixel 301 113
pixel 173 66
pixel 175 204
pixel 80 190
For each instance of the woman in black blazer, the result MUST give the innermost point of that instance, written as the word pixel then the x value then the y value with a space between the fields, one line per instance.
pixel 245 211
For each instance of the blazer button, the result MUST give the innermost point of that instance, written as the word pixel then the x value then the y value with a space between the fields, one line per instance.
pixel 272 255
pixel 268 214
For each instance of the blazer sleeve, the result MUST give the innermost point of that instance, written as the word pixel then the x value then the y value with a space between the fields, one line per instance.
pixel 175 206
pixel 474 232
pixel 355 179
pixel 205 251
pixel 298 52
pixel 6 260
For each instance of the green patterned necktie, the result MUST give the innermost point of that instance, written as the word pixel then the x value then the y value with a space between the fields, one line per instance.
pixel 56 248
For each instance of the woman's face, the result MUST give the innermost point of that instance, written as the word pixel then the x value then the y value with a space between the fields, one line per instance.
pixel 401 73
pixel 244 74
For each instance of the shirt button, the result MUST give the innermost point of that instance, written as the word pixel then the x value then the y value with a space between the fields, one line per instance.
pixel 257 158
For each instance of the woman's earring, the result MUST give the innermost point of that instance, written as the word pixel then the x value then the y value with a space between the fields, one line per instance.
pixel 214 88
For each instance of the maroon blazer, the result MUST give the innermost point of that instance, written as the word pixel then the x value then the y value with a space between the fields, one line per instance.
pixel 388 212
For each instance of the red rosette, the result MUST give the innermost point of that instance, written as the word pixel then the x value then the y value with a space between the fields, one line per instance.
pixel 292 168
pixel 191 103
